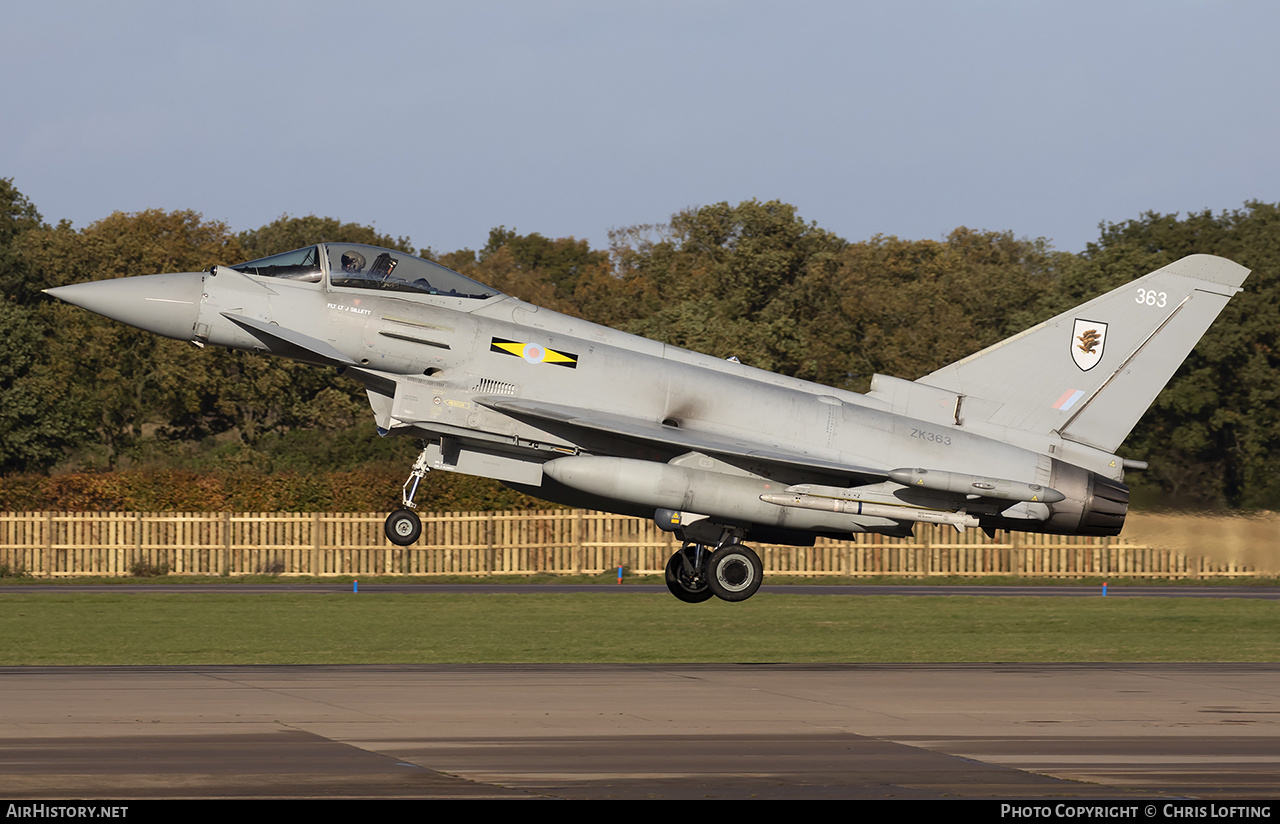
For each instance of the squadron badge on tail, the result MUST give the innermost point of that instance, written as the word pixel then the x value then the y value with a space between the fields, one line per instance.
pixel 1087 340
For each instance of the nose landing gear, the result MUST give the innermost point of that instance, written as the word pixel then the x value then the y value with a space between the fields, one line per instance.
pixel 403 526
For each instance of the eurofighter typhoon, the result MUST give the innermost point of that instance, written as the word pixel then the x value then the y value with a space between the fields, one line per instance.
pixel 1020 436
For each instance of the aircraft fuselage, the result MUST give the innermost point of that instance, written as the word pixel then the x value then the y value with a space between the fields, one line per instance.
pixel 1019 436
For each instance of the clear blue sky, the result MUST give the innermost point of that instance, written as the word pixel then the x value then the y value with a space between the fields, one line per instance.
pixel 440 120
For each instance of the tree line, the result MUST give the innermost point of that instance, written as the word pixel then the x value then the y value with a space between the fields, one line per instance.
pixel 91 409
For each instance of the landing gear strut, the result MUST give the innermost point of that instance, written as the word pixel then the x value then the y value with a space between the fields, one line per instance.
pixel 403 526
pixel 732 572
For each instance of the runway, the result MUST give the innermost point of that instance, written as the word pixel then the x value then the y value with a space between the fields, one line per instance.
pixel 1025 731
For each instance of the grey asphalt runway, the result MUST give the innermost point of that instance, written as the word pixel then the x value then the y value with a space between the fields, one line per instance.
pixel 1061 732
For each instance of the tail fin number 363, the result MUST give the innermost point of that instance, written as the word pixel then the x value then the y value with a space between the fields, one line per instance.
pixel 1150 297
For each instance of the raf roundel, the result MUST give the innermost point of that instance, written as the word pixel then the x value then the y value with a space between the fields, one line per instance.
pixel 533 353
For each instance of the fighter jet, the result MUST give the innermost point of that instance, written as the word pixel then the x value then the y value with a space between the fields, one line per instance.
pixel 1019 436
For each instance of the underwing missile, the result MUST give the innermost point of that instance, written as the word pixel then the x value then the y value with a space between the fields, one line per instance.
pixel 959 520
pixel 975 486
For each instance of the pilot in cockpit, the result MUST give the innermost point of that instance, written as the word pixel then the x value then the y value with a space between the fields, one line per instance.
pixel 352 262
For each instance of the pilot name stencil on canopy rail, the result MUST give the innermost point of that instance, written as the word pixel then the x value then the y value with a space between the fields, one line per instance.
pixel 1021 436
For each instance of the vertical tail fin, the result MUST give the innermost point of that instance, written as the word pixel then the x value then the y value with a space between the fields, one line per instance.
pixel 1090 373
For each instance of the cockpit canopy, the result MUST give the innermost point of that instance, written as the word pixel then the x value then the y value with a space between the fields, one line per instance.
pixel 300 264
pixel 354 265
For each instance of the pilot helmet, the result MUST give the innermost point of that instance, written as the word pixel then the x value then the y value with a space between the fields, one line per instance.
pixel 352 261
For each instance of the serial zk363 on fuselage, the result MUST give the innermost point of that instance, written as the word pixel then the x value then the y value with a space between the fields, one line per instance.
pixel 1022 435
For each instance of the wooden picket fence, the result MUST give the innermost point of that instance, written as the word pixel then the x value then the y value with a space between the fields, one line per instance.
pixel 582 542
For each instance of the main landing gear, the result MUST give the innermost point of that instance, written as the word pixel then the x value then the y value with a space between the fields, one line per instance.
pixel 731 572
pixel 403 526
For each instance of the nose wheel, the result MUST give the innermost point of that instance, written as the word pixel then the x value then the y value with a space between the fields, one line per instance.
pixel 403 526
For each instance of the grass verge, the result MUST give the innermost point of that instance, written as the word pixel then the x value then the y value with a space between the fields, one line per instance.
pixel 230 628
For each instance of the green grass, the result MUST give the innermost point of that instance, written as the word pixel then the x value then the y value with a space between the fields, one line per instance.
pixel 229 628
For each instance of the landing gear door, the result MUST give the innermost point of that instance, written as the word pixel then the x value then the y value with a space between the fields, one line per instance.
pixel 452 456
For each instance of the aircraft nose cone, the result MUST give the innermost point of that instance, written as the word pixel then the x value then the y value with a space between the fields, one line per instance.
pixel 165 304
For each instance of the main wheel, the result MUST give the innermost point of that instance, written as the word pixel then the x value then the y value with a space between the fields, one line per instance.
pixel 734 572
pixel 403 527
pixel 687 579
